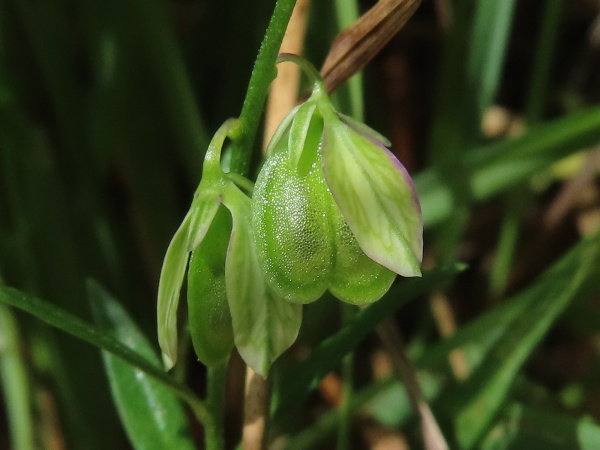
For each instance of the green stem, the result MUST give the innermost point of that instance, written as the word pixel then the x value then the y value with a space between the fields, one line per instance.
pixel 543 60
pixel 309 70
pixel 215 394
pixel 344 431
pixel 319 93
pixel 263 73
pixel 350 95
pixel 212 162
pixel 14 380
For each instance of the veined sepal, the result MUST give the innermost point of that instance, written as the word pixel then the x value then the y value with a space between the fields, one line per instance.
pixel 379 204
pixel 189 235
pixel 264 324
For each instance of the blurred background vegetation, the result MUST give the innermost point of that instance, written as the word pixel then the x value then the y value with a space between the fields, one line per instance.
pixel 107 107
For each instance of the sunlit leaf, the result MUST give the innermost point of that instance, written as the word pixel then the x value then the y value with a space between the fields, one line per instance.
pixel 151 414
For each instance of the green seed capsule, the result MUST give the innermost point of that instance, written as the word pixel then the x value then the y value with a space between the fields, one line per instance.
pixel 208 309
pixel 290 219
pixel 304 245
pixel 356 278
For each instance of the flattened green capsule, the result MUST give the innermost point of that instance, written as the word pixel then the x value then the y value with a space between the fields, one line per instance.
pixel 293 234
pixel 355 277
pixel 208 309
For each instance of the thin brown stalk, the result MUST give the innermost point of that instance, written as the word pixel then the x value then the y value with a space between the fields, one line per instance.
pixel 444 318
pixel 394 345
pixel 256 411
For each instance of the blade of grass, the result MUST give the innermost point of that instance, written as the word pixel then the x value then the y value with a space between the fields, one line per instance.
pixel 542 64
pixel 476 401
pixel 151 414
pixel 470 75
pixel 15 383
pixel 350 95
pixel 489 39
pixel 497 166
pixel 521 426
pixel 94 335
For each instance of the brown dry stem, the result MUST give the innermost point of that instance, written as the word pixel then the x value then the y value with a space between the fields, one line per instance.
pixel 394 345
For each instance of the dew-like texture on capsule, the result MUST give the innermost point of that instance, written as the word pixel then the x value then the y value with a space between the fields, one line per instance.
pixel 292 230
pixel 355 278
pixel 208 309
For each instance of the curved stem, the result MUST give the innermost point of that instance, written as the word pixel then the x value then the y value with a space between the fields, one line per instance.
pixel 217 377
pixel 308 69
pixel 212 161
pixel 263 73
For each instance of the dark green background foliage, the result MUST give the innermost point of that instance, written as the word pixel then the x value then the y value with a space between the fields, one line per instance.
pixel 106 109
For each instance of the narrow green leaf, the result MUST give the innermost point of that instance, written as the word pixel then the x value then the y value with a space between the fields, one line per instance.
pixel 15 383
pixel 489 39
pixel 94 335
pixel 151 414
pixel 379 204
pixel 329 353
pixel 476 401
pixel 498 166
pixel 523 427
pixel 264 324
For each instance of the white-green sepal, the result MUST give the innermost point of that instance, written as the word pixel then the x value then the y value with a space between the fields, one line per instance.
pixel 189 235
pixel 299 131
pixel 277 141
pixel 364 130
pixel 376 198
pixel 264 325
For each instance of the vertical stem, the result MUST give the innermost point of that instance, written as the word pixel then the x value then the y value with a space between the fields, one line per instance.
pixel 543 60
pixel 394 345
pixel 284 89
pixel 215 395
pixel 344 424
pixel 256 411
pixel 350 94
pixel 14 379
pixel 263 73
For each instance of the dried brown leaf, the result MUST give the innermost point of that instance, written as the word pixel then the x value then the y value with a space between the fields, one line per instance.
pixel 358 44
